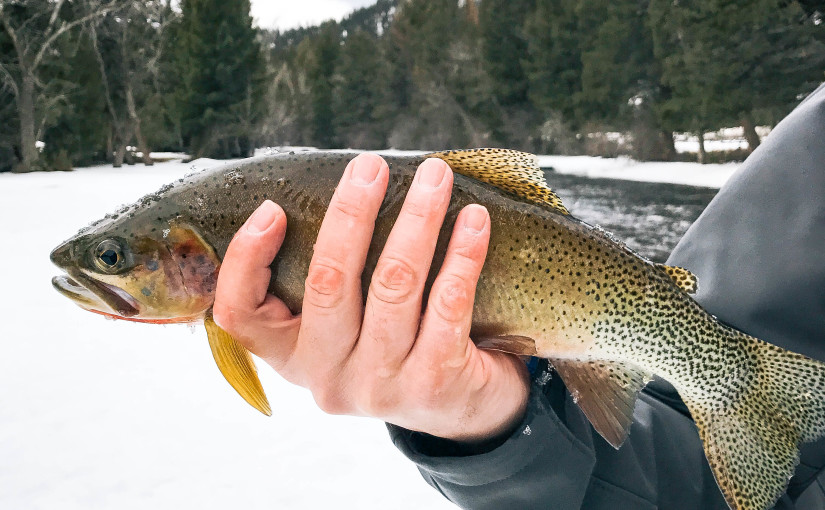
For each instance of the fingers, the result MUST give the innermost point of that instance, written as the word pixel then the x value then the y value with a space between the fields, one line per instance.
pixel 332 307
pixel 260 322
pixel 444 340
pixel 393 308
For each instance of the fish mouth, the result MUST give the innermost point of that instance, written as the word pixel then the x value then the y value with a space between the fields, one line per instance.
pixel 96 296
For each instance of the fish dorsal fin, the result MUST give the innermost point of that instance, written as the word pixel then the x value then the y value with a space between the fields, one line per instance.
pixel 606 392
pixel 681 277
pixel 509 170
pixel 236 365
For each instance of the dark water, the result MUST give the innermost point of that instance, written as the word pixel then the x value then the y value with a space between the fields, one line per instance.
pixel 649 217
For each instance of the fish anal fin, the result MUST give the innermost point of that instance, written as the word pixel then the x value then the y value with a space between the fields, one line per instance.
pixel 236 365
pixel 509 170
pixel 681 277
pixel 514 344
pixel 606 392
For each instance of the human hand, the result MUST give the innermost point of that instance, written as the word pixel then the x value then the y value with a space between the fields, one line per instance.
pixel 383 359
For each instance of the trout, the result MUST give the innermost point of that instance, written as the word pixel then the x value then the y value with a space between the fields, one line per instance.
pixel 552 286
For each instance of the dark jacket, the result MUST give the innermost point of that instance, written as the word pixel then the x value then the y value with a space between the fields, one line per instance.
pixel 758 251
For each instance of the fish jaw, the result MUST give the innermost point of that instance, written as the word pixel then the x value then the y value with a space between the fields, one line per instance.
pixel 96 296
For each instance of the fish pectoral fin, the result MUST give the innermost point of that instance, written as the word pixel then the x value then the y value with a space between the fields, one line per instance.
pixel 513 171
pixel 513 344
pixel 236 365
pixel 683 278
pixel 606 392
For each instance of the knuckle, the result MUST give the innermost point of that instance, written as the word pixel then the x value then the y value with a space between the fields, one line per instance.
pixel 376 401
pixel 469 250
pixel 394 280
pixel 325 283
pixel 355 207
pixel 226 317
pixel 453 299
pixel 431 390
pixel 419 208
pixel 329 400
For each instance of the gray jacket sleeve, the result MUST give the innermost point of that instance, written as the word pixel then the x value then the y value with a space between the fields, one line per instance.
pixel 758 251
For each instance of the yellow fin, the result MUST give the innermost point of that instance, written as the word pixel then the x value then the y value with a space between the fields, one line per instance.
pixel 236 365
pixel 509 170
pixel 681 277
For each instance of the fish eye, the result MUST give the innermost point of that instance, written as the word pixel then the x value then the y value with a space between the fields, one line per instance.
pixel 109 255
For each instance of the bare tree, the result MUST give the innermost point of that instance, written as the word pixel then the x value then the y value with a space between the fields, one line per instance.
pixel 31 45
pixel 134 36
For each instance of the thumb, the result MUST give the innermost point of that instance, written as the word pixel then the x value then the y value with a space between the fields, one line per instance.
pixel 243 308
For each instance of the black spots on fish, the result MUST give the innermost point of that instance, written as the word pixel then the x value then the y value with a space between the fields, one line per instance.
pixel 146 292
pixel 152 265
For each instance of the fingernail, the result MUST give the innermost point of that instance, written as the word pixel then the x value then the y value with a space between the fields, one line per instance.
pixel 365 170
pixel 431 172
pixel 474 218
pixel 263 217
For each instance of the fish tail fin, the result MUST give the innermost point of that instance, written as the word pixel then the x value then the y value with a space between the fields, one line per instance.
pixel 751 434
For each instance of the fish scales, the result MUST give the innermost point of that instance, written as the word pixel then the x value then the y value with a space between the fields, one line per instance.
pixel 552 286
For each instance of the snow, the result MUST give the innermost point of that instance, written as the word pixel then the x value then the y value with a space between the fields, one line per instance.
pixel 693 174
pixel 99 414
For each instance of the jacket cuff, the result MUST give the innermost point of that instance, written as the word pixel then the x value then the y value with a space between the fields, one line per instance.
pixel 539 441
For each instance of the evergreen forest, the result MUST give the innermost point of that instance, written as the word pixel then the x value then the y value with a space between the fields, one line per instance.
pixel 92 81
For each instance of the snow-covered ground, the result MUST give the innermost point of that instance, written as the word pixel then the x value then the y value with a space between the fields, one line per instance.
pixel 100 414
pixel 692 174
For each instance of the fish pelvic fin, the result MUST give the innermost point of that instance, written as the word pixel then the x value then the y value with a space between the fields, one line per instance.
pixel 606 392
pixel 513 171
pixel 751 439
pixel 236 365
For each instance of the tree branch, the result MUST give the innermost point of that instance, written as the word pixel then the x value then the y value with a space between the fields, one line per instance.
pixel 53 17
pixel 9 79
pixel 10 30
pixel 63 29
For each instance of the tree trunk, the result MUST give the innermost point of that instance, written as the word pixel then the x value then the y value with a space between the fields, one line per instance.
pixel 120 154
pixel 703 156
pixel 750 132
pixel 142 146
pixel 668 146
pixel 28 140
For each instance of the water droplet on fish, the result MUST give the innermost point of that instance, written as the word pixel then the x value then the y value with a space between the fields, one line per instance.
pixel 527 430
pixel 166 232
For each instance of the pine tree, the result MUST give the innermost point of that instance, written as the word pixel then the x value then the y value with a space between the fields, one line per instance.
pixel 553 60
pixel 222 77
pixel 504 45
pixel 320 58
pixel 361 86
pixel 727 63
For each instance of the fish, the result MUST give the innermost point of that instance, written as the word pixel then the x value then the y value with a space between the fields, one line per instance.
pixel 552 286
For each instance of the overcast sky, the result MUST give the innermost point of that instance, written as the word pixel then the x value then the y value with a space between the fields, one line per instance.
pixel 284 14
